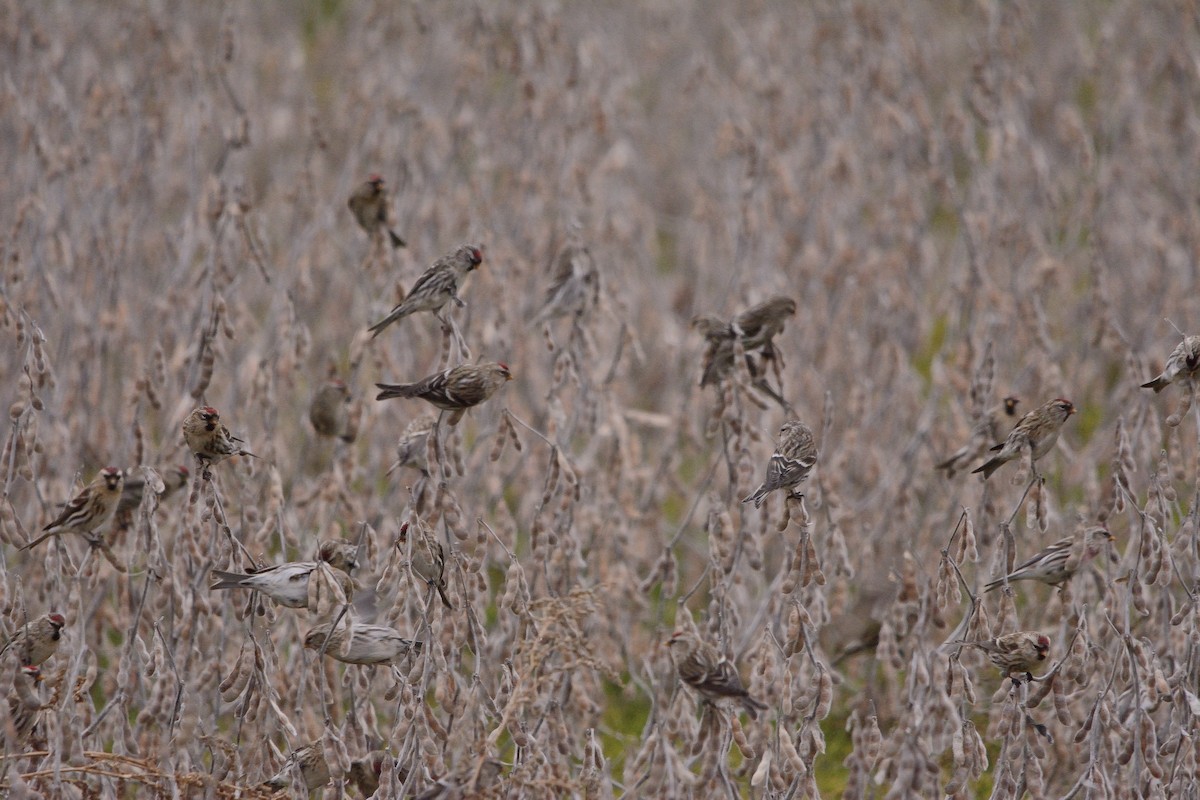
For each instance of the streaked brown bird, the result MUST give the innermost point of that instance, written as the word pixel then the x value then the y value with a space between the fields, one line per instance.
pixel 794 458
pixel 89 511
pixel 574 289
pixel 329 411
pixel 1051 565
pixel 173 479
pixel 35 641
pixel 287 584
pixel 1037 431
pixel 371 208
pixel 709 673
pixel 209 440
pixel 1014 653
pixel 757 328
pixel 1181 364
pixel 428 560
pixel 411 447
pixel 986 430
pixel 310 760
pixel 455 389
pixel 436 287
pixel 355 643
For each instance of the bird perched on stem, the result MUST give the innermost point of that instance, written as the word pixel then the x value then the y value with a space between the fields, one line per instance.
pixel 90 510
pixel 371 208
pixel 354 643
pixel 1014 653
pixel 575 288
pixel 411 446
pixel 173 479
pixel 437 286
pixel 987 429
pixel 455 389
pixel 709 673
pixel 1182 363
pixel 36 640
pixel 794 457
pixel 287 584
pixel 1037 432
pixel 310 760
pixel 209 440
pixel 24 708
pixel 1052 565
pixel 428 560
pixel 329 411
pixel 756 327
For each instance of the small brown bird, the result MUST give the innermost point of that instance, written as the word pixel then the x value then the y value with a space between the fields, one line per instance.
pixel 437 286
pixel 1049 565
pixel 428 559
pixel 1182 363
pixel 287 584
pixel 757 327
pixel 310 760
pixel 411 447
pixel 1014 653
pixel 90 510
pixel 36 640
pixel 793 459
pixel 364 772
pixel 329 411
pixel 987 429
pixel 354 643
pixel 209 440
pixel 1037 431
pixel 455 389
pixel 371 208
pixel 24 708
pixel 575 288
pixel 709 673
pixel 173 479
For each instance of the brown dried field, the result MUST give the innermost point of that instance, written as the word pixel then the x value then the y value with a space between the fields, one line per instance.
pixel 966 201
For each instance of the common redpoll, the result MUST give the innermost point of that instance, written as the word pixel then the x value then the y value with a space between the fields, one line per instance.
pixel 364 772
pixel 354 643
pixel 36 640
pixel 428 560
pixel 1014 653
pixel 173 479
pixel 794 457
pixel 209 440
pixel 575 287
pixel 1036 431
pixel 437 286
pixel 1182 363
pixel 310 760
pixel 90 510
pixel 371 208
pixel 24 708
pixel 709 673
pixel 455 389
pixel 329 411
pixel 987 429
pixel 1050 564
pixel 287 584
pixel 757 327
pixel 410 449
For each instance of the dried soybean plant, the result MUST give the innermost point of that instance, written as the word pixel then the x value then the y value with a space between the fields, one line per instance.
pixel 965 204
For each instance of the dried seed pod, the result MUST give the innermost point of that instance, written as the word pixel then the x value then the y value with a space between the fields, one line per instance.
pixel 824 696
